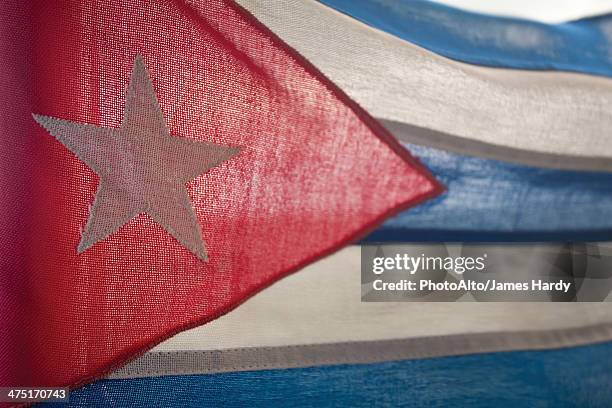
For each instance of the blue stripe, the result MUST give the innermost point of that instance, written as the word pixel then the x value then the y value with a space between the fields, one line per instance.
pixel 489 200
pixel 580 46
pixel 574 377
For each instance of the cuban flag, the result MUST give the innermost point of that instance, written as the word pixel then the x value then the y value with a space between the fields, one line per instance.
pixel 184 183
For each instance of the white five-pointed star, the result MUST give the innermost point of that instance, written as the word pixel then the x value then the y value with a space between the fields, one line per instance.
pixel 142 168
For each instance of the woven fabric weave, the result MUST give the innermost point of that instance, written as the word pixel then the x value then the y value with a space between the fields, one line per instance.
pixel 314 173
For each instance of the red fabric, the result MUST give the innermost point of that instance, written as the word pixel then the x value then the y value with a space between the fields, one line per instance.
pixel 316 172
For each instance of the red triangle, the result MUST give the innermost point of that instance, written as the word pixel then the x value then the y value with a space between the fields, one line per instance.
pixel 316 173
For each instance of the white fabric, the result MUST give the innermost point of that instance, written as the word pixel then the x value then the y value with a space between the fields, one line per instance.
pixel 142 167
pixel 546 11
pixel 551 112
pixel 321 304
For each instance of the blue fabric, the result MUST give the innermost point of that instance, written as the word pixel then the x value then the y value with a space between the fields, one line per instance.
pixel 574 377
pixel 581 46
pixel 489 200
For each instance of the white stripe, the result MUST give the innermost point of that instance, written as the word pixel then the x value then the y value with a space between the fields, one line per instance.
pixel 321 304
pixel 546 11
pixel 551 112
